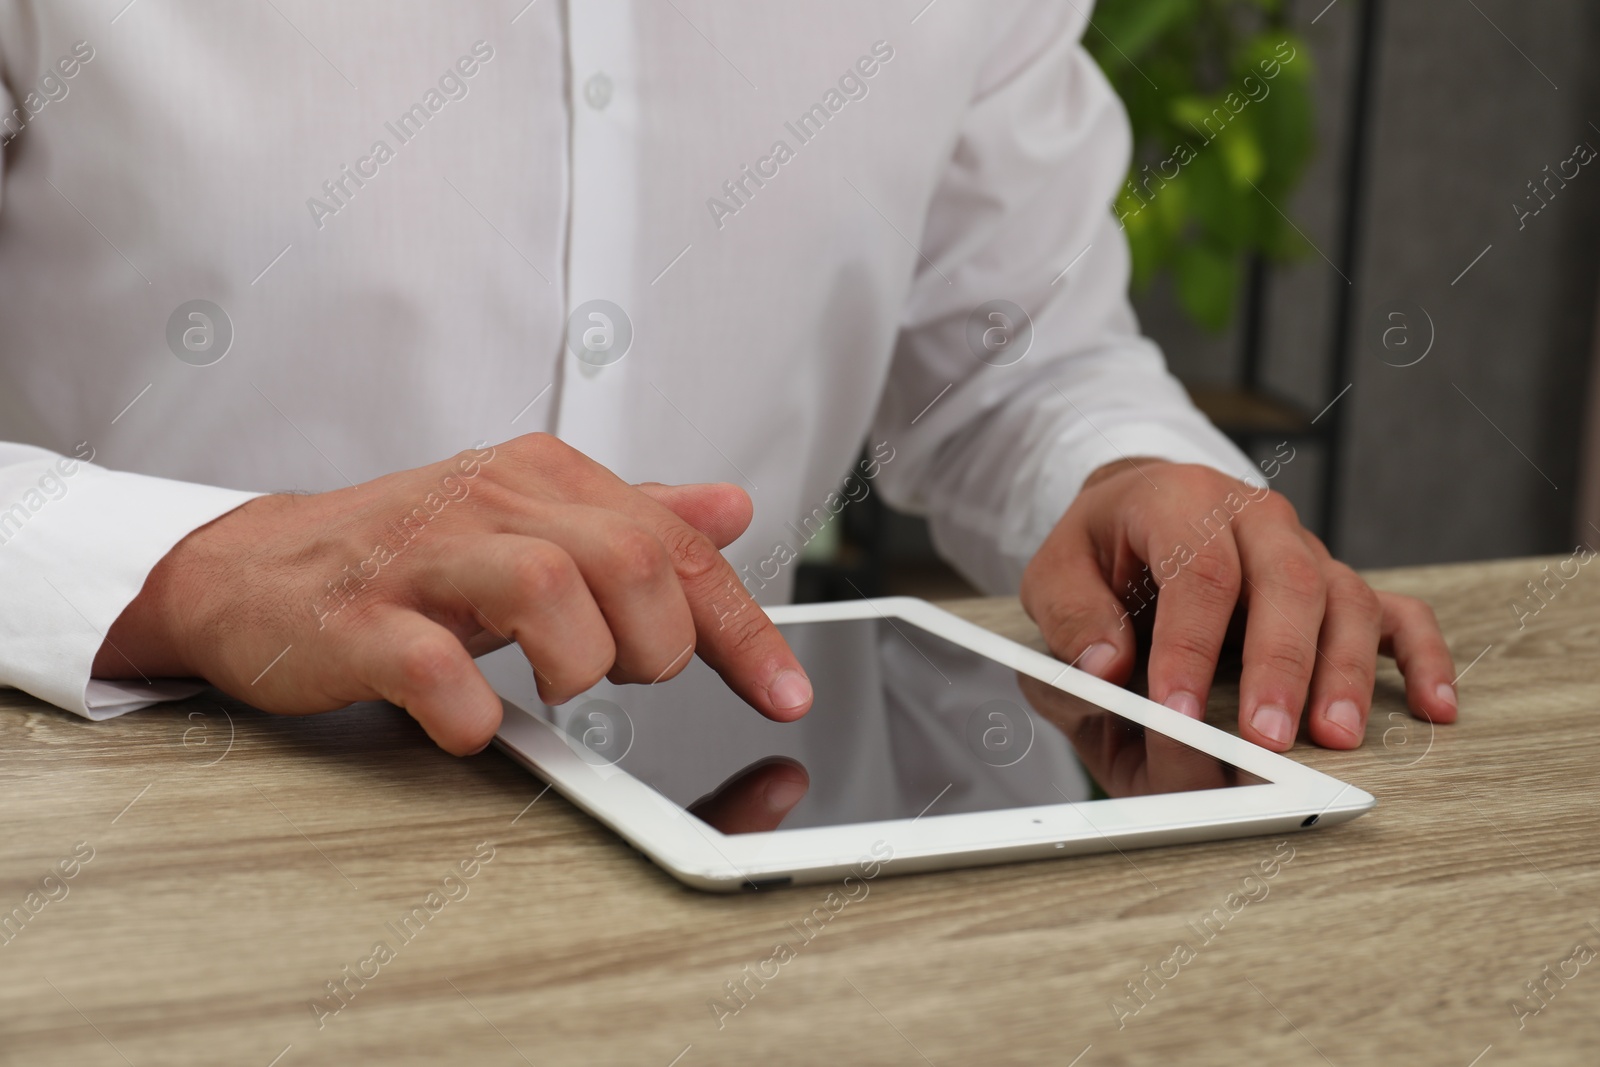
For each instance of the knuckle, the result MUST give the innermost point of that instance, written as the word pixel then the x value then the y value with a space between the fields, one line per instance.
pixel 747 631
pixel 541 573
pixel 425 661
pixel 470 461
pixel 1299 579
pixel 1277 506
pixel 1298 571
pixel 1191 647
pixel 1287 657
pixel 1215 574
pixel 693 555
pixel 493 497
pixel 1413 612
pixel 1350 593
pixel 1219 483
pixel 1199 476
pixel 1359 674
pixel 1321 549
pixel 539 444
pixel 1212 485
pixel 635 557
pixel 544 454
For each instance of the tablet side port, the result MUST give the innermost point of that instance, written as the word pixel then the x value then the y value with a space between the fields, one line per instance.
pixel 757 884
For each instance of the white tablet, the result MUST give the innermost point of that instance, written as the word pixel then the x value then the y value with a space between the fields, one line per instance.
pixel 931 743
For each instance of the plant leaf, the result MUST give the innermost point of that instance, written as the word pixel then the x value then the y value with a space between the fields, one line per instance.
pixel 1208 282
pixel 1123 29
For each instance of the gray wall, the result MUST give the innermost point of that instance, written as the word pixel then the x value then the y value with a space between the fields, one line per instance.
pixel 1461 122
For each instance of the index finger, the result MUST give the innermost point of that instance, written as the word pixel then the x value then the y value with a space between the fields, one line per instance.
pixel 732 633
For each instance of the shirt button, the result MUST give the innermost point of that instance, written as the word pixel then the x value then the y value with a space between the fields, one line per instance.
pixel 597 91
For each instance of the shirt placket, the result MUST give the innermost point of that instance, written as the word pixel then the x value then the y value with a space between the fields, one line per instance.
pixel 602 287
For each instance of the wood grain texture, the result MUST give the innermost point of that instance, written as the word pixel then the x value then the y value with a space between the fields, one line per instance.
pixel 230 881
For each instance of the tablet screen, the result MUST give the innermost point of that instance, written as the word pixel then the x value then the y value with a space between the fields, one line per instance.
pixel 904 723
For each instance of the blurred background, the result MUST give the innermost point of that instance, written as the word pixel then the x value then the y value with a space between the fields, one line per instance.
pixel 1389 257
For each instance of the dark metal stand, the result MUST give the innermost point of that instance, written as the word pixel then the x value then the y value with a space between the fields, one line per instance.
pixel 1250 412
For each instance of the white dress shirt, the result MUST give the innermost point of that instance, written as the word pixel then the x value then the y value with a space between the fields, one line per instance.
pixel 801 212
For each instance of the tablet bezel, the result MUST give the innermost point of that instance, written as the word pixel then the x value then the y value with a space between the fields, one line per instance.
pixel 1294 797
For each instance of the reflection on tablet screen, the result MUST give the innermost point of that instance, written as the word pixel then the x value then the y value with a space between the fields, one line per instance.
pixel 904 722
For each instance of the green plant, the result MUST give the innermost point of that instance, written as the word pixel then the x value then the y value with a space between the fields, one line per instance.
pixel 1219 96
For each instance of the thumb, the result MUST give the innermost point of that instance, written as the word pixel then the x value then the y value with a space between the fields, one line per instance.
pixel 719 510
pixel 1065 592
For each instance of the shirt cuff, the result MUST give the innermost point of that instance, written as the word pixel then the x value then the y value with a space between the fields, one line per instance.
pixel 77 542
pixel 104 699
pixel 1066 465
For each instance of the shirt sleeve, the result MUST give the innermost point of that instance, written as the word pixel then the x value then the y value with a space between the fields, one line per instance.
pixel 995 448
pixel 76 544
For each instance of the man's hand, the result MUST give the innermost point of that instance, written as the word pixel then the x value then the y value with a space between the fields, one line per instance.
pixel 388 589
pixel 1313 628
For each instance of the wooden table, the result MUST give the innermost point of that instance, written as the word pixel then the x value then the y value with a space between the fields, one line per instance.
pixel 241 861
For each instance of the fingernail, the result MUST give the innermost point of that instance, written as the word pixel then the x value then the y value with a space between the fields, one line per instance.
pixel 485 745
pixel 1274 724
pixel 1346 716
pixel 1096 658
pixel 784 793
pixel 1185 703
pixel 1447 693
pixel 790 690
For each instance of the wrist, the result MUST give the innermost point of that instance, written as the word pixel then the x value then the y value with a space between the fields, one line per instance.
pixel 154 635
pixel 140 644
